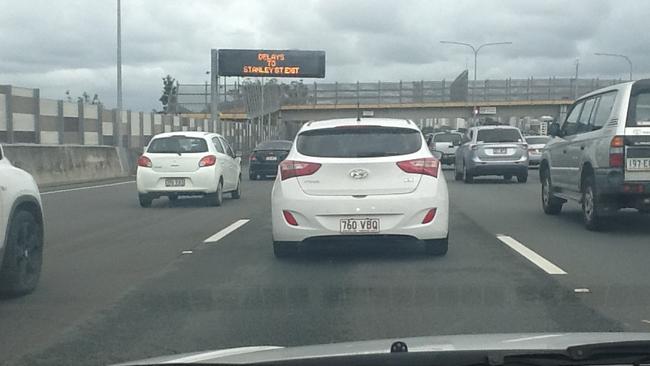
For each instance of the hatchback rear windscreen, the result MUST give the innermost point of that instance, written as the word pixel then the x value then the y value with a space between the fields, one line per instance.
pixel 447 137
pixel 359 142
pixel 177 144
pixel 498 135
pixel 274 145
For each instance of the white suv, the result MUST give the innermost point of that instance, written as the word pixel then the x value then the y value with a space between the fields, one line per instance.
pixel 600 155
pixel 348 178
pixel 21 230
pixel 188 164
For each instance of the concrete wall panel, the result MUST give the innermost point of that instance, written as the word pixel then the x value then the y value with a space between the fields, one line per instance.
pixel 49 107
pixel 3 112
pixel 49 137
pixel 24 122
pixel 70 109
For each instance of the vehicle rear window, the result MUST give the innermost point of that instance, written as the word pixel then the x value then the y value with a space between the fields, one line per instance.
pixel 537 140
pixel 359 142
pixel 499 135
pixel 177 144
pixel 274 145
pixel 447 137
pixel 639 115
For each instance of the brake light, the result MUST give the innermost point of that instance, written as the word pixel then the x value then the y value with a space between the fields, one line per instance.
pixel 617 152
pixel 253 157
pixel 144 162
pixel 291 168
pixel 431 214
pixel 426 166
pixel 208 160
pixel 289 218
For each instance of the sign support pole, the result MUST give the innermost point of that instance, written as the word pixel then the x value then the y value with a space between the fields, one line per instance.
pixel 214 92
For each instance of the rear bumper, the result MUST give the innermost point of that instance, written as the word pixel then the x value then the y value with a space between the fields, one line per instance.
pixel 534 159
pixel 448 159
pixel 498 167
pixel 201 181
pixel 263 169
pixel 319 216
pixel 618 193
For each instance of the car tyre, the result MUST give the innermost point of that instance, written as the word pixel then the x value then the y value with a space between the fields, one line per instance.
pixel 145 200
pixel 23 258
pixel 550 204
pixel 216 199
pixel 522 178
pixel 458 176
pixel 436 247
pixel 236 194
pixel 467 175
pixel 591 206
pixel 284 249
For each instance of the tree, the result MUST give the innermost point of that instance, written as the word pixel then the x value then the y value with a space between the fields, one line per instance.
pixel 170 91
pixel 68 98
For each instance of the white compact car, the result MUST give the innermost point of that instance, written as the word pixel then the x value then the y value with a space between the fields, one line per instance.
pixel 188 164
pixel 21 230
pixel 348 178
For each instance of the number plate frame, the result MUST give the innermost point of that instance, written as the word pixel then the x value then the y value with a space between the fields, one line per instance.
pixel 367 225
pixel 637 164
pixel 174 182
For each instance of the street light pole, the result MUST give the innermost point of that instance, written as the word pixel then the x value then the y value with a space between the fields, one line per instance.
pixel 629 62
pixel 476 50
pixel 118 125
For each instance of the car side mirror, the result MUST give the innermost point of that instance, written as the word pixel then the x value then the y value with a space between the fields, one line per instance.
pixel 429 140
pixel 436 154
pixel 554 129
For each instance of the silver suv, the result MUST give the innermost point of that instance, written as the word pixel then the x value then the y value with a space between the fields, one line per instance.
pixel 492 150
pixel 600 156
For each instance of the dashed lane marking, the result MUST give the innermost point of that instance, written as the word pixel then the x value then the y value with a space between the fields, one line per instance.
pixel 529 254
pixel 224 232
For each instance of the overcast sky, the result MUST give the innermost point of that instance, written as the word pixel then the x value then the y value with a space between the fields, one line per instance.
pixel 70 44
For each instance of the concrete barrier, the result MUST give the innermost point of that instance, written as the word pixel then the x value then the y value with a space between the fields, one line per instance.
pixel 64 164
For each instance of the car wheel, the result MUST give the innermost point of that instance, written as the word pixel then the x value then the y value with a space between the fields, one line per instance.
pixel 284 249
pixel 467 175
pixel 236 194
pixel 551 204
pixel 458 176
pixel 145 200
pixel 522 178
pixel 507 177
pixel 437 247
pixel 21 267
pixel 216 198
pixel 590 206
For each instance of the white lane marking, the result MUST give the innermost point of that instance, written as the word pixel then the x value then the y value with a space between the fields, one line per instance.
pixel 84 188
pixel 222 353
pixel 645 321
pixel 537 259
pixel 532 338
pixel 222 234
pixel 581 290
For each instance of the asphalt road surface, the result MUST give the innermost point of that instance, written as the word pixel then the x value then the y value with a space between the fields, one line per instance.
pixel 121 282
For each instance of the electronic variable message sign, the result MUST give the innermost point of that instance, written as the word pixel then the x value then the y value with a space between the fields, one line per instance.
pixel 271 63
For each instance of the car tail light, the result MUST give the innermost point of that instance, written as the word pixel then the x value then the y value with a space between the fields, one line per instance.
pixel 289 218
pixel 208 160
pixel 426 166
pixel 291 168
pixel 617 152
pixel 253 157
pixel 144 162
pixel 431 214
pixel 633 188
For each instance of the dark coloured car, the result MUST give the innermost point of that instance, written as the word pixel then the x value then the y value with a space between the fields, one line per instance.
pixel 266 157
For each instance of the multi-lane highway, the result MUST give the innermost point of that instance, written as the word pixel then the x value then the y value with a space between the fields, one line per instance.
pixel 121 282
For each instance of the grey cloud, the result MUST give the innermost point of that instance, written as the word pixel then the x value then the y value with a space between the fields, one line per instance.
pixel 70 44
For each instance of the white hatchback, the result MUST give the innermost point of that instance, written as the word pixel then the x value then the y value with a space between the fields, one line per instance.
pixel 188 164
pixel 347 179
